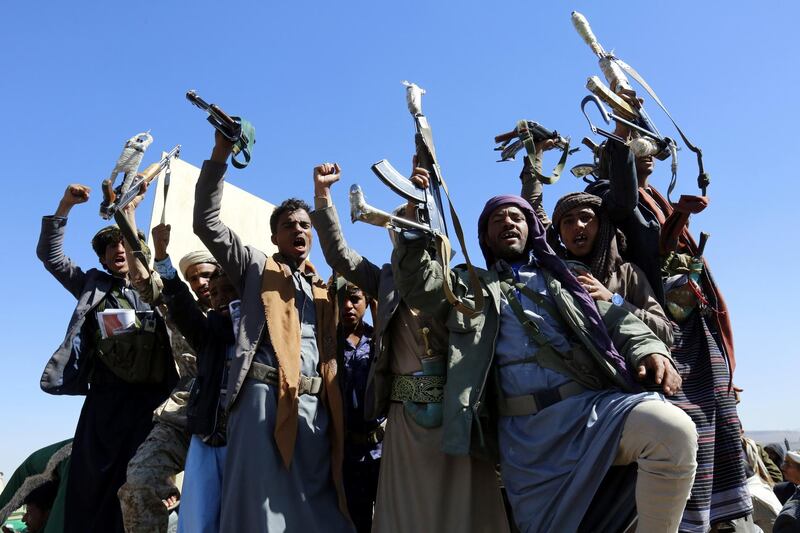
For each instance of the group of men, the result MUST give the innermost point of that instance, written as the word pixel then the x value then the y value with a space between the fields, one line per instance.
pixel 288 412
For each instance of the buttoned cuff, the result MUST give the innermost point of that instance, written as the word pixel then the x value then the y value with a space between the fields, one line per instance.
pixel 165 268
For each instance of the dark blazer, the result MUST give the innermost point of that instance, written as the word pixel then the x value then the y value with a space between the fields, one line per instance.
pixel 619 190
pixel 67 371
pixel 210 336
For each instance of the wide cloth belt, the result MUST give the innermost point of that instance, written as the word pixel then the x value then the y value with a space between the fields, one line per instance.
pixel 269 375
pixel 530 404
pixel 420 389
pixel 367 438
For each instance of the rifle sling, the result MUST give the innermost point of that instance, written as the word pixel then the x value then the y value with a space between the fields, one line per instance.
pixel 524 134
pixel 167 176
pixel 444 248
pixel 533 330
pixel 702 180
pixel 244 144
pixel 132 239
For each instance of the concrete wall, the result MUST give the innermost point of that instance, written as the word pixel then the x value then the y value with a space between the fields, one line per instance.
pixel 246 214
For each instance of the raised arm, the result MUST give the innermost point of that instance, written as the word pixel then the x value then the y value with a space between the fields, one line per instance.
pixel 339 256
pixel 184 310
pixel 419 279
pixel 221 241
pixel 146 282
pixel 531 186
pixel 618 184
pixel 50 248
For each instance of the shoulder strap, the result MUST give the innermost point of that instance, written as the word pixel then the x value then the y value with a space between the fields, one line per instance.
pixel 703 181
pixel 525 136
pixel 121 300
pixel 443 243
pixel 529 325
pixel 541 301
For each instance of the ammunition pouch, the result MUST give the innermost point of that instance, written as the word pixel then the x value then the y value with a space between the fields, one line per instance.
pixel 681 300
pixel 138 357
pixel 681 292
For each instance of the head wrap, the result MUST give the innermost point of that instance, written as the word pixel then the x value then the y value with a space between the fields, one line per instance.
pixel 195 258
pixel 604 257
pixel 794 456
pixel 548 260
pixel 778 452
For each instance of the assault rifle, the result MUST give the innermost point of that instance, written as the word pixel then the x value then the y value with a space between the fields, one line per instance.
pixel 527 134
pixel 430 218
pixel 616 72
pixel 430 211
pixel 113 201
pixel 236 129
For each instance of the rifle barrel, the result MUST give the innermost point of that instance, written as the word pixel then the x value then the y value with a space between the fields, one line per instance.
pixel 193 97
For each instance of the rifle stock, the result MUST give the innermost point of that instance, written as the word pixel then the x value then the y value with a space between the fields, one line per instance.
pixel 113 202
pixel 620 106
pixel 108 193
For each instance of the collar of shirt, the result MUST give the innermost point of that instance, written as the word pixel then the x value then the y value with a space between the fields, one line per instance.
pixel 501 265
pixel 365 338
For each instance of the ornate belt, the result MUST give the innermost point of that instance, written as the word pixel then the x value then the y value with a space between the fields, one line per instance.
pixel 420 389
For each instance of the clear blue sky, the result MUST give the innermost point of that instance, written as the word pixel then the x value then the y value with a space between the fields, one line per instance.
pixel 321 82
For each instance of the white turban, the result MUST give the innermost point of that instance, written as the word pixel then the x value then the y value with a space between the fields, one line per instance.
pixel 195 258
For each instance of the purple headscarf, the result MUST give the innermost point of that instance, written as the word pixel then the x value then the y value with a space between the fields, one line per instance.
pixel 548 260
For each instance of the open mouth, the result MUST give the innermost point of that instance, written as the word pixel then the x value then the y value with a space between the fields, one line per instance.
pixel 580 240
pixel 119 261
pixel 299 243
pixel 511 235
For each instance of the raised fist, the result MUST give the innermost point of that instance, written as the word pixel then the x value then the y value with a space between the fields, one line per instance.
pixel 75 194
pixel 161 235
pixel 325 175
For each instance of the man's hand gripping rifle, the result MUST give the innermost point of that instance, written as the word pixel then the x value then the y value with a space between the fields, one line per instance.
pixel 429 211
pixel 529 134
pixel 236 129
pixel 114 202
pixel 628 110
pixel 121 206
